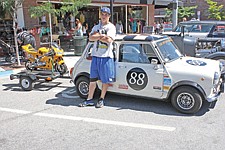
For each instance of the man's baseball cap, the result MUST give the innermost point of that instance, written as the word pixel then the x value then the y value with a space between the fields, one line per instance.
pixel 106 10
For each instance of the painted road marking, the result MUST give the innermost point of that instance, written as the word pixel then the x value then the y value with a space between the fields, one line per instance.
pixel 92 120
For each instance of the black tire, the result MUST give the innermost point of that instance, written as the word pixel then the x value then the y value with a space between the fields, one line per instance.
pixel 8 58
pixel 82 87
pixel 186 99
pixel 62 69
pixel 26 83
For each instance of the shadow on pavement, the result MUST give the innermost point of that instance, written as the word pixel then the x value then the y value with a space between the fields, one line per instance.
pixel 69 97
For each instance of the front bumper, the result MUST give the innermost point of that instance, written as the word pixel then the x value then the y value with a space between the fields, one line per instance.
pixel 219 90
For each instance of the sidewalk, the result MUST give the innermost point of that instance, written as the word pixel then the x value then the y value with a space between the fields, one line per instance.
pixel 7 68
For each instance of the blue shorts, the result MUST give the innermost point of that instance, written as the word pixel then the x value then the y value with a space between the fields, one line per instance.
pixel 102 68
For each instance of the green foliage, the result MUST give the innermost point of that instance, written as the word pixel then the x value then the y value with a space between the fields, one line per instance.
pixel 183 12
pixel 215 11
pixel 186 11
pixel 67 6
pixel 9 6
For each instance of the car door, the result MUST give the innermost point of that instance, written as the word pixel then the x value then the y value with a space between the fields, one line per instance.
pixel 135 75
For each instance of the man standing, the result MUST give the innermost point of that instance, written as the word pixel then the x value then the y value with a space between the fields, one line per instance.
pixel 27 37
pixel 102 65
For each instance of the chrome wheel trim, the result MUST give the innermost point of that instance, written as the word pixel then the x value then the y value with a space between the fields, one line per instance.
pixel 185 101
pixel 83 88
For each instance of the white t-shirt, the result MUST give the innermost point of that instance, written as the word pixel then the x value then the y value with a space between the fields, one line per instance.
pixel 101 49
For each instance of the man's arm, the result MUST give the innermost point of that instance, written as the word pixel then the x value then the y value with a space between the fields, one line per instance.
pixel 101 37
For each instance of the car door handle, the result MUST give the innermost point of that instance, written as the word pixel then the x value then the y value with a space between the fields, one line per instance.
pixel 121 66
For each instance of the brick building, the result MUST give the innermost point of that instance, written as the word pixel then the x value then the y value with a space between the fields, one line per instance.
pixel 201 11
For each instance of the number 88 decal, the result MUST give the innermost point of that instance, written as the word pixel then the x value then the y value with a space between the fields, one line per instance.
pixel 137 79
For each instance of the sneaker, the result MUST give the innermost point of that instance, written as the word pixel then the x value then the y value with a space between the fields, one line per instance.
pixel 87 103
pixel 100 103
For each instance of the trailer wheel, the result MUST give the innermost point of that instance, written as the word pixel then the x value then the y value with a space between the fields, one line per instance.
pixel 26 83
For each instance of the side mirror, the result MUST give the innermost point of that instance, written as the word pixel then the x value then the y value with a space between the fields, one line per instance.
pixel 154 61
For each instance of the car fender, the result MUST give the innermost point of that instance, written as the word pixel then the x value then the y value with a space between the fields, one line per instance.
pixel 81 74
pixel 216 55
pixel 187 83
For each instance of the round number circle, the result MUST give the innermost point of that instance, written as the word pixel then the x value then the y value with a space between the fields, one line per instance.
pixel 137 78
pixel 196 62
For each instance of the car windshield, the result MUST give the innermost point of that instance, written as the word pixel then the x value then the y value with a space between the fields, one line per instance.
pixel 200 28
pixel 168 50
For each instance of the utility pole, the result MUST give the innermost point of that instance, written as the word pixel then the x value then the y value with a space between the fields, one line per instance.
pixel 111 8
pixel 175 13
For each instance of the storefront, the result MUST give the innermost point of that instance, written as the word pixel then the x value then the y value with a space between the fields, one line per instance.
pixel 134 14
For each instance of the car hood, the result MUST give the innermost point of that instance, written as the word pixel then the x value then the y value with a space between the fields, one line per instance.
pixel 192 34
pixel 192 67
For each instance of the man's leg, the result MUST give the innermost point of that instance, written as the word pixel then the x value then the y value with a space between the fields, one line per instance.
pixel 92 87
pixel 89 101
pixel 100 102
pixel 104 90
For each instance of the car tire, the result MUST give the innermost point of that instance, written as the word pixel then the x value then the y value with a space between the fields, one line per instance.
pixel 186 99
pixel 82 87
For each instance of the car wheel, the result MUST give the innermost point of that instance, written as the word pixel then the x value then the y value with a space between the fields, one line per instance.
pixel 186 99
pixel 82 87
pixel 26 83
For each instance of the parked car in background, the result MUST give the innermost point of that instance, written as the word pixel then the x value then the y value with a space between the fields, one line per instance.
pixel 151 66
pixel 167 27
pixel 200 29
pixel 200 39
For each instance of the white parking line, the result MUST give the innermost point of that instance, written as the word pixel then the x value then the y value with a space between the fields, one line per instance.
pixel 92 120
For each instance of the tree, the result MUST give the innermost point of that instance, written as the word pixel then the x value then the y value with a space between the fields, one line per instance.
pixel 215 11
pixel 11 7
pixel 183 12
pixel 44 8
pixel 67 6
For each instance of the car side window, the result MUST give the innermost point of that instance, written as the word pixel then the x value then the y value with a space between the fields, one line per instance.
pixel 219 31
pixel 89 50
pixel 134 53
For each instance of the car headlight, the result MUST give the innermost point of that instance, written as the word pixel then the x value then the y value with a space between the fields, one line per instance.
pixel 221 66
pixel 216 78
pixel 222 41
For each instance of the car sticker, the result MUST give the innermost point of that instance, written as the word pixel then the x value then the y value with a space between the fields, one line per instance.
pixel 157 88
pixel 137 79
pixel 196 62
pixel 123 86
pixel 167 82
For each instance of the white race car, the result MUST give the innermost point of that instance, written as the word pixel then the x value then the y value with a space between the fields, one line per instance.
pixel 151 66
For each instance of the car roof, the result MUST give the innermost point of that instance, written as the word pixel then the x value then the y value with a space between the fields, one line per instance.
pixel 138 37
pixel 202 22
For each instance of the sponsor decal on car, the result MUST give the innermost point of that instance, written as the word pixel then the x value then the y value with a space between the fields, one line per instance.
pixel 167 82
pixel 123 86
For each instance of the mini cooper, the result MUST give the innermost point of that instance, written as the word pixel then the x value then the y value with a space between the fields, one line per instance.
pixel 151 66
